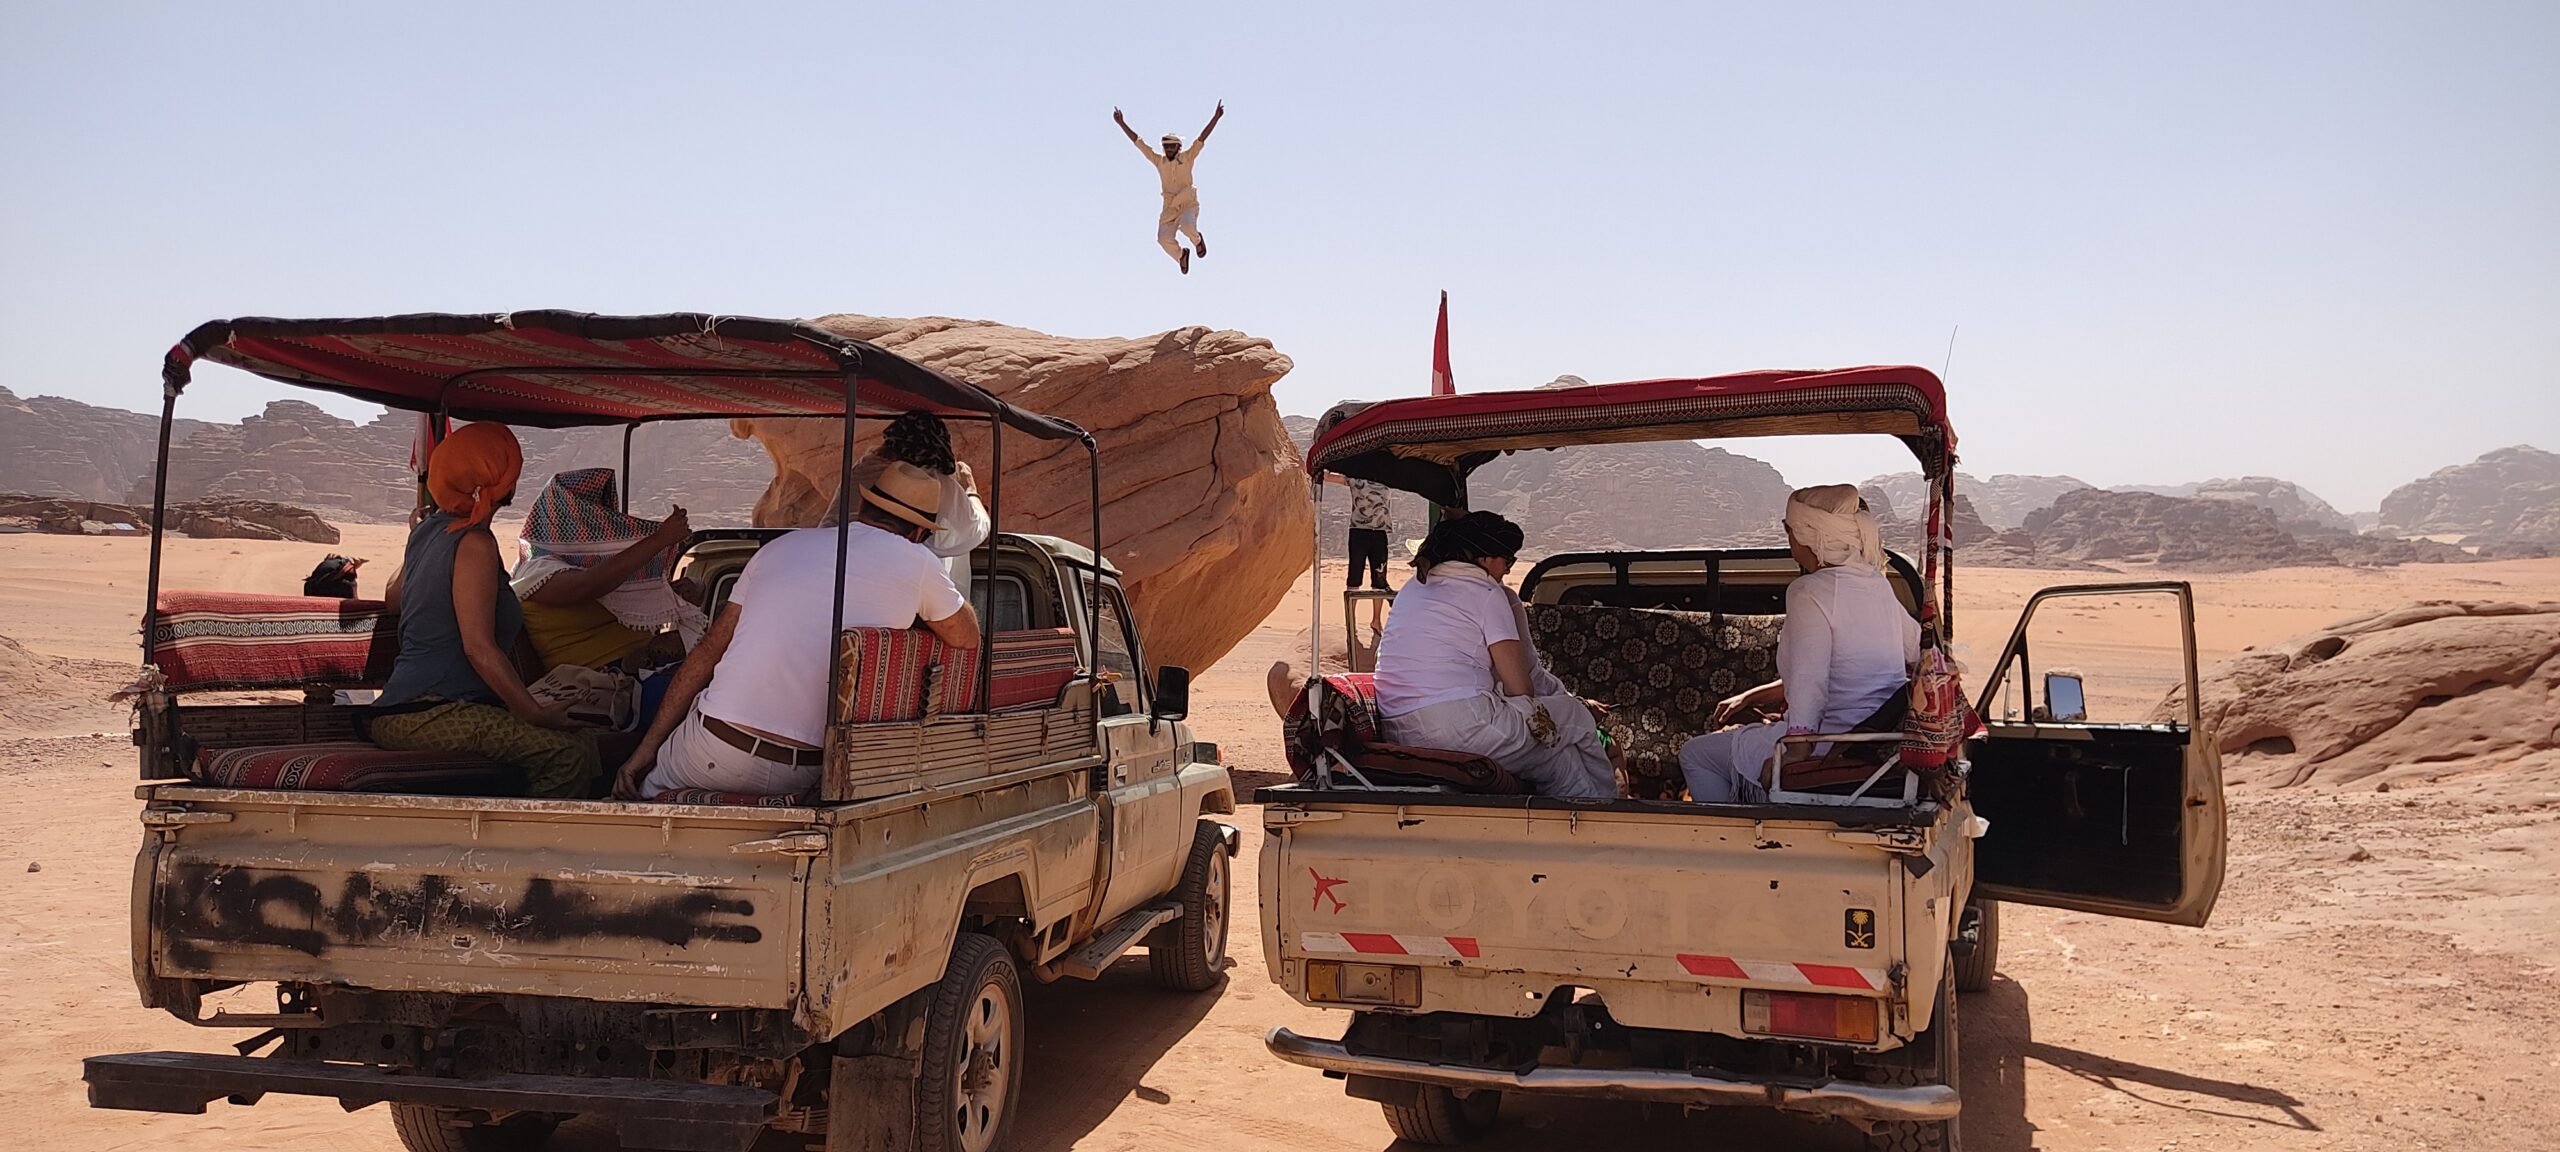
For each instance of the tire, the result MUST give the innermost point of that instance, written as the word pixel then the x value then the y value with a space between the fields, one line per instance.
pixel 1973 971
pixel 1190 954
pixel 972 1075
pixel 1940 1067
pixel 427 1128
pixel 1441 1116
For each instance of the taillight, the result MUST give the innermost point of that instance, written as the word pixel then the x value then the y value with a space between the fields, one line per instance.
pixel 1809 1015
pixel 1334 982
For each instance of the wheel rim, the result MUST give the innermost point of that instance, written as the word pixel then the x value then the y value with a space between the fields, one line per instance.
pixel 1213 918
pixel 985 1074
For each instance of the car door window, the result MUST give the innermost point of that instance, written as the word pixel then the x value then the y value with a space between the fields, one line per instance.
pixel 1118 649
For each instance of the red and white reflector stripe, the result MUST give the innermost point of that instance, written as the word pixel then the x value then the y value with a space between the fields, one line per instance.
pixel 1390 944
pixel 1783 972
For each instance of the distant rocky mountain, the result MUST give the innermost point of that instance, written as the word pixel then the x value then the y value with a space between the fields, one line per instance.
pixel 218 519
pixel 2292 503
pixel 1675 494
pixel 2004 500
pixel 296 453
pixel 2200 533
pixel 2510 495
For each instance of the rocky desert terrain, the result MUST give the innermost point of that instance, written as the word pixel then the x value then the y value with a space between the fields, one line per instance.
pixel 2377 975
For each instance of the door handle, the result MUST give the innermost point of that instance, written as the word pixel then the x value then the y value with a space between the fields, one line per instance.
pixel 1119 773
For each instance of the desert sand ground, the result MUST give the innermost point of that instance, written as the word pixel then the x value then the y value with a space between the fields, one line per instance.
pixel 2378 975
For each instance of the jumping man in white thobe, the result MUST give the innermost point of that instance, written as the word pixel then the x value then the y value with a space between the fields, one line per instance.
pixel 1181 199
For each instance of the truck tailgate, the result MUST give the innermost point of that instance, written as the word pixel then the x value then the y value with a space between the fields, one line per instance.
pixel 629 902
pixel 1655 911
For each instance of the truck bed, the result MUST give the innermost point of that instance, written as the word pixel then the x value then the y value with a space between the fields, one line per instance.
pixel 1665 912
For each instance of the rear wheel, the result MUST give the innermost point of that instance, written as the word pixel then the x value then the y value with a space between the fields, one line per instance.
pixel 427 1128
pixel 1974 968
pixel 1939 1065
pixel 972 1072
pixel 1441 1116
pixel 1190 954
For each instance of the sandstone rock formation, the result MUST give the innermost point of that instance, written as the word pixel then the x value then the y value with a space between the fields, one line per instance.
pixel 2429 690
pixel 204 519
pixel 2293 506
pixel 1205 504
pixel 2003 501
pixel 2510 494
pixel 50 446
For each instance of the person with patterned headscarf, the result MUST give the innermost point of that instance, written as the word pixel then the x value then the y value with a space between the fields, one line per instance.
pixel 595 580
pixel 454 687
pixel 1846 647
pixel 1457 669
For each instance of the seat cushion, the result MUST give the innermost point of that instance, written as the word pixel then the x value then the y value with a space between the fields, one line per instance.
pixel 1348 725
pixel 350 766
pixel 1350 721
pixel 210 641
pixel 1404 764
pixel 1661 672
pixel 736 799
pixel 894 674
pixel 1032 666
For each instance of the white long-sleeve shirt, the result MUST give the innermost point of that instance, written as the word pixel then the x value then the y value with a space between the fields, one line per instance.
pixel 1847 646
pixel 967 530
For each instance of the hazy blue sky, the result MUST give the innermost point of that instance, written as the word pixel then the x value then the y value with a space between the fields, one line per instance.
pixel 2319 241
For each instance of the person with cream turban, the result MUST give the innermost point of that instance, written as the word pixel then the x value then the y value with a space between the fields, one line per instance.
pixel 1846 648
pixel 454 687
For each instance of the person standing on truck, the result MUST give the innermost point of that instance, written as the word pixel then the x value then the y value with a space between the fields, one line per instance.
pixel 1846 647
pixel 747 711
pixel 1457 670
pixel 1181 198
pixel 1372 523
pixel 453 687
pixel 922 439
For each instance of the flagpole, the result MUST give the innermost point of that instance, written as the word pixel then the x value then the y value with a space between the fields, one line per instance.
pixel 1443 383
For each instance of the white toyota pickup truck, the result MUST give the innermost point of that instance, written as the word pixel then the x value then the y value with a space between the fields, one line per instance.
pixel 1801 954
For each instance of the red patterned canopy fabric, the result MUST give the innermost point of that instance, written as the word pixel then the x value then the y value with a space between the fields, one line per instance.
pixel 564 369
pixel 1428 444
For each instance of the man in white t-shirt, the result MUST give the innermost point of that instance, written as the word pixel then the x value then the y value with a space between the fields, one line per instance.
pixel 1181 199
pixel 747 711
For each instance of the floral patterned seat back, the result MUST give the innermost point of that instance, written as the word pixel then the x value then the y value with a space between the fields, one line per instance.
pixel 1661 673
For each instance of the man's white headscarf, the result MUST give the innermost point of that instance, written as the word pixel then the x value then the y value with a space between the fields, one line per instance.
pixel 1833 522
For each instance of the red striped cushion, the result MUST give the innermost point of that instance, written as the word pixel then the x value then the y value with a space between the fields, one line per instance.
pixel 205 641
pixel 356 767
pixel 1032 666
pixel 888 673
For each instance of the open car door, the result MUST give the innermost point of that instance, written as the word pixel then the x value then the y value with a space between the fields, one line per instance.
pixel 2124 819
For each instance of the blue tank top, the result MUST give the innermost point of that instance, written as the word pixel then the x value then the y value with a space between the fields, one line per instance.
pixel 431 661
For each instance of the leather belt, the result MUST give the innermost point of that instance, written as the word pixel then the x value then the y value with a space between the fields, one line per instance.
pixel 760 747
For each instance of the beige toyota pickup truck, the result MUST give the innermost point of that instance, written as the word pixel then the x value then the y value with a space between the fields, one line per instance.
pixel 697 970
pixel 1802 954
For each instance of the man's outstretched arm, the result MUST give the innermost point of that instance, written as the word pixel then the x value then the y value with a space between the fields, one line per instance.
pixel 1214 117
pixel 1131 133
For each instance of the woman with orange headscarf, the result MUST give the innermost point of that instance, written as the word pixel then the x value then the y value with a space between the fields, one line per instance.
pixel 454 686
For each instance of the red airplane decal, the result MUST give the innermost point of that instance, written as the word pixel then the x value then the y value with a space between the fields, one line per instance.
pixel 1324 891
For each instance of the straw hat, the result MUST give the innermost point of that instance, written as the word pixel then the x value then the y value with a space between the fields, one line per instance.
pixel 908 493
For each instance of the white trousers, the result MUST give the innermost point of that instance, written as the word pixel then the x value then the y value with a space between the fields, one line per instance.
pixel 1575 765
pixel 1184 216
pixel 1724 767
pixel 694 758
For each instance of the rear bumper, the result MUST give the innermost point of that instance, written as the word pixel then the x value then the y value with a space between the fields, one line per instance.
pixel 647 1113
pixel 1836 1098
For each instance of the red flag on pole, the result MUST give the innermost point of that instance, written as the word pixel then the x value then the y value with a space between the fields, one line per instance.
pixel 1442 383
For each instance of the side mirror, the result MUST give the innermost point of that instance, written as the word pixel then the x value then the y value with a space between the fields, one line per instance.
pixel 1173 693
pixel 2063 700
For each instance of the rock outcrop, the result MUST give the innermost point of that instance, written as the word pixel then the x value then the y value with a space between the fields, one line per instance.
pixel 2430 690
pixel 2293 506
pixel 204 519
pixel 2510 494
pixel 1205 506
pixel 2003 500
